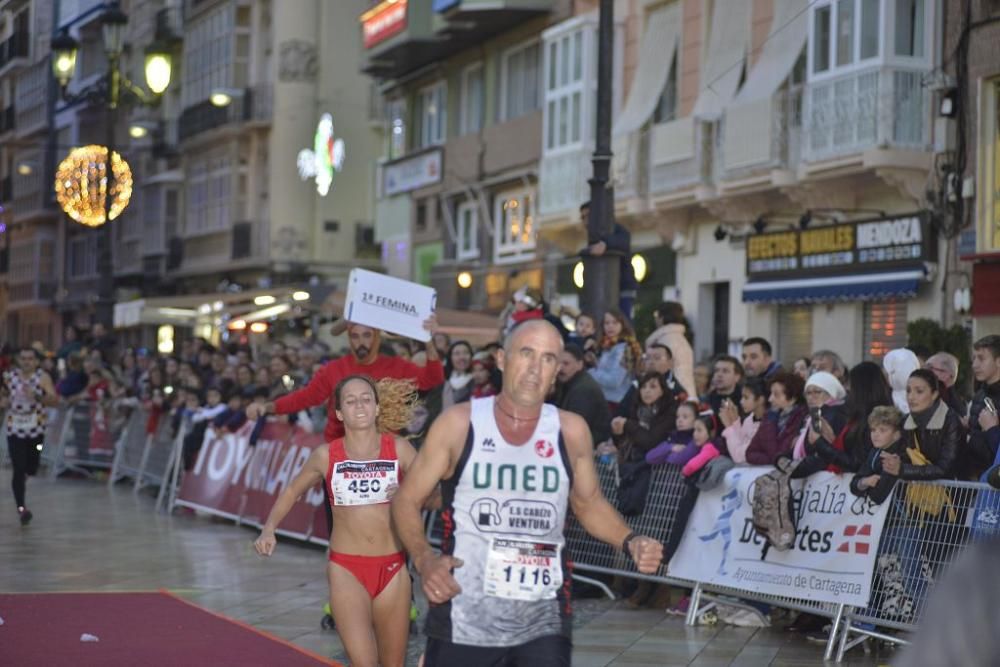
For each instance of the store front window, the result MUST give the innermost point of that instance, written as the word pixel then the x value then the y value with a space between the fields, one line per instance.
pixel 884 328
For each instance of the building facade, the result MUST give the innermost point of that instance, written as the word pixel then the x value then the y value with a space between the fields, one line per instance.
pixel 255 168
pixel 972 39
pixel 29 219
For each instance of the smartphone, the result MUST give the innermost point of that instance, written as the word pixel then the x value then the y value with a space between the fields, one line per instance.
pixel 990 405
pixel 815 418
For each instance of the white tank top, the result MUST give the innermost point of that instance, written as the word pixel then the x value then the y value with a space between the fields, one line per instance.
pixel 504 511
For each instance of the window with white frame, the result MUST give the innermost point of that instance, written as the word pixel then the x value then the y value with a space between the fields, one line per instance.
pixel 520 86
pixel 564 90
pixel 848 33
pixel 395 111
pixel 432 114
pixel 471 120
pixel 467 231
pixel 209 194
pixel 514 225
pixel 216 53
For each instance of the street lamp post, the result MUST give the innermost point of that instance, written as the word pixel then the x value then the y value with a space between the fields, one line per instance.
pixel 601 274
pixel 109 91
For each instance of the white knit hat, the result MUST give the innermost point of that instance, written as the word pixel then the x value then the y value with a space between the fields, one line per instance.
pixel 828 383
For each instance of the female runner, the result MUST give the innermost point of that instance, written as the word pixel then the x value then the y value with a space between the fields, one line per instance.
pixel 362 470
pixel 24 393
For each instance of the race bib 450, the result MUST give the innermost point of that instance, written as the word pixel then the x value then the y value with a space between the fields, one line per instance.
pixel 363 482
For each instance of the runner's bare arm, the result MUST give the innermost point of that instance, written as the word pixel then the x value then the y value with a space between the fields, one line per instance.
pixel 591 508
pixel 49 396
pixel 435 461
pixel 312 472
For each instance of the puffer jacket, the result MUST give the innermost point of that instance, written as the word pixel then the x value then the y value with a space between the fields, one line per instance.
pixel 939 441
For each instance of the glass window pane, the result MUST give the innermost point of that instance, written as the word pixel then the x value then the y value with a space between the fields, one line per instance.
pixel 563 121
pixel 563 61
pixel 551 125
pixel 575 119
pixel 578 56
pixel 910 28
pixel 821 43
pixel 845 32
pixel 552 65
pixel 869 28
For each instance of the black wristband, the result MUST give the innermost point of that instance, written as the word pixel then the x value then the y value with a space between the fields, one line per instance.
pixel 628 540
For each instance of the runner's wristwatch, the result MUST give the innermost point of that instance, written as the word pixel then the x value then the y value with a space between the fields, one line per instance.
pixel 627 541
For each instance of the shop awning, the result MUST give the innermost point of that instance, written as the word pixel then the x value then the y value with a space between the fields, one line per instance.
pixel 865 287
pixel 727 49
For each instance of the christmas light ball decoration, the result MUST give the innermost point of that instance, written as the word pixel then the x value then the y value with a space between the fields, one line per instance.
pixel 81 185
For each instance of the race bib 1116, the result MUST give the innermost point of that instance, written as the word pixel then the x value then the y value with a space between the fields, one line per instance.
pixel 522 570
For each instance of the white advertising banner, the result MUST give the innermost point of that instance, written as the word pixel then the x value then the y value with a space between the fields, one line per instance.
pixel 832 559
pixel 412 173
pixel 391 304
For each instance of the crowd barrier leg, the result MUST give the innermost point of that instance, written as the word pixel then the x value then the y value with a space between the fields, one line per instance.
pixel 694 602
pixel 139 480
pixel 835 632
pixel 58 459
pixel 168 490
pixel 116 463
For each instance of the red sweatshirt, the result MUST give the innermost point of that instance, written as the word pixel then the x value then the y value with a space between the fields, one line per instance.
pixel 320 388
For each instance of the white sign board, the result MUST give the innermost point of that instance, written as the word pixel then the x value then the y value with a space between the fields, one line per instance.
pixel 412 173
pixel 391 304
pixel 835 544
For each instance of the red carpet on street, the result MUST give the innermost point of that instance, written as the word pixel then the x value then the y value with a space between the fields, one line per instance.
pixel 148 629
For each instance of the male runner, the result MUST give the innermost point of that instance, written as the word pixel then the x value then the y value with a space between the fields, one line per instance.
pixel 24 393
pixel 508 466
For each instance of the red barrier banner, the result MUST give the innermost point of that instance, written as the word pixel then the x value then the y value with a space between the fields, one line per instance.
pixel 234 480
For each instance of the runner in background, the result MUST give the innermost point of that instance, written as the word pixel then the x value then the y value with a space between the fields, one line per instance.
pixel 362 471
pixel 25 392
pixel 509 467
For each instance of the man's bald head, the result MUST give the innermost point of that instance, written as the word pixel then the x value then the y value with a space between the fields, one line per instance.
pixel 530 327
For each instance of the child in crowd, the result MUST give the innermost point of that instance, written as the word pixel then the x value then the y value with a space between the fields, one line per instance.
pixel 738 434
pixel 872 481
pixel 200 417
pixel 586 337
pixel 485 380
pixel 704 432
pixel 670 450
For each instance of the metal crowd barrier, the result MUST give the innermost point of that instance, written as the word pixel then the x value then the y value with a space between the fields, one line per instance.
pixel 130 448
pixel 914 550
pixel 86 442
pixel 912 554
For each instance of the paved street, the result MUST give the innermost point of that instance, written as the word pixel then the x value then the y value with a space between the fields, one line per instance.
pixel 87 538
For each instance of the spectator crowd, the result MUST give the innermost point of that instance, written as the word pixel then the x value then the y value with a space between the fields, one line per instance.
pixel 648 403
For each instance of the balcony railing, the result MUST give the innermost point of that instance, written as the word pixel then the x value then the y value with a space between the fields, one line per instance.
pixel 562 181
pixel 759 136
pixel 255 105
pixel 681 153
pixel 15 46
pixel 880 107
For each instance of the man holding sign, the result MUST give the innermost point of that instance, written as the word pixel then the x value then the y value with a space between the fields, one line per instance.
pixel 364 359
